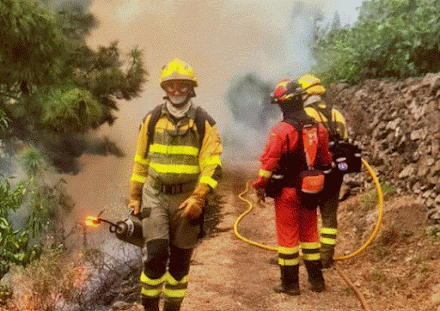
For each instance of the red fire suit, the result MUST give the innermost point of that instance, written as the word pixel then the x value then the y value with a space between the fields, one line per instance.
pixel 294 225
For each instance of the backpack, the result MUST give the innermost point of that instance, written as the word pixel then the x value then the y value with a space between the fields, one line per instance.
pixel 346 156
pixel 301 173
pixel 200 118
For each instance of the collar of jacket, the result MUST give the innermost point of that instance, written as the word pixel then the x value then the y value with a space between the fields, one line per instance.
pixel 187 110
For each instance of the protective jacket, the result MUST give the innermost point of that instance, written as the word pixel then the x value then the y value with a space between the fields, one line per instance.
pixel 296 226
pixel 176 154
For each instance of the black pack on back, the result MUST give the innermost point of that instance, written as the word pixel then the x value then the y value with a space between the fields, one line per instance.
pixel 346 156
pixel 299 172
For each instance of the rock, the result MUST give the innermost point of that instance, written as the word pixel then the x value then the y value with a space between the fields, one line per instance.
pixel 435 298
pixel 400 135
pixel 119 305
pixel 407 171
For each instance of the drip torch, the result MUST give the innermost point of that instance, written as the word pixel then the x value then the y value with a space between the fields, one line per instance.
pixel 128 230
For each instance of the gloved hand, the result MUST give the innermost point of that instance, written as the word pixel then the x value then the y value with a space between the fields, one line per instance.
pixel 193 206
pixel 259 185
pixel 258 196
pixel 135 205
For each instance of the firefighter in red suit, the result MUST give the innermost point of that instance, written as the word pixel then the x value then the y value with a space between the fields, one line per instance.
pixel 296 226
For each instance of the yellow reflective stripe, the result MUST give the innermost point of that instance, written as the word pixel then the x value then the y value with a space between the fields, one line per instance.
pixel 214 160
pixel 328 241
pixel 152 282
pixel 210 181
pixel 329 230
pixel 175 168
pixel 141 160
pixel 164 149
pixel 138 178
pixel 288 250
pixel 288 262
pixel 151 292
pixel 311 257
pixel 264 173
pixel 310 245
pixel 174 293
pixel 172 281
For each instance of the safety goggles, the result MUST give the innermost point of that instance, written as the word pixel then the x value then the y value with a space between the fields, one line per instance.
pixel 177 88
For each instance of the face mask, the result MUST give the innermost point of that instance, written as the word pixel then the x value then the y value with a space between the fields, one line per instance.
pixel 178 100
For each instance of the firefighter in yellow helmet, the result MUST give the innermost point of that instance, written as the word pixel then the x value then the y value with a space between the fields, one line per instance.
pixel 177 163
pixel 334 121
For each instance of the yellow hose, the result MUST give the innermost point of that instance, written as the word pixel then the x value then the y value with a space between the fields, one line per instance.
pixel 271 248
pixel 356 252
pixel 379 216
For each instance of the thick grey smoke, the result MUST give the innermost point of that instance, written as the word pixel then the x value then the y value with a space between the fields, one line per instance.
pixel 227 42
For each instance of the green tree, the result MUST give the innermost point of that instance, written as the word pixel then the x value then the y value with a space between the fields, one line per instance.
pixel 52 85
pixel 390 39
pixel 28 210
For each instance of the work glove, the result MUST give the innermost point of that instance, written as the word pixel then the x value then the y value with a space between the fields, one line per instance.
pixel 135 197
pixel 259 185
pixel 135 205
pixel 193 206
pixel 259 196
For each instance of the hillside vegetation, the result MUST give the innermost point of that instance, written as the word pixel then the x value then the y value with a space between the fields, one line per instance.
pixel 391 39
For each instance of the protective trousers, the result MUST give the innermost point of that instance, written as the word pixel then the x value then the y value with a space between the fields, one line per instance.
pixel 169 243
pixel 329 216
pixel 296 229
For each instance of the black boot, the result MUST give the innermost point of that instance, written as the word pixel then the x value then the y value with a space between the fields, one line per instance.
pixel 289 281
pixel 150 304
pixel 316 279
pixel 169 306
pixel 327 254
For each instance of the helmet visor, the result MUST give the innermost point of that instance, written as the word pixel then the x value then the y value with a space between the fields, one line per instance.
pixel 177 88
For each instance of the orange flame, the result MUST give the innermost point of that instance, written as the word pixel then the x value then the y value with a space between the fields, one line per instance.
pixel 92 221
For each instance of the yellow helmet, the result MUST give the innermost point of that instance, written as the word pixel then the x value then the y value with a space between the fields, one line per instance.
pixel 177 70
pixel 311 84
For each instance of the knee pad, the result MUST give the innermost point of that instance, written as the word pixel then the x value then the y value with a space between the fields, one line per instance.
pixel 180 259
pixel 157 257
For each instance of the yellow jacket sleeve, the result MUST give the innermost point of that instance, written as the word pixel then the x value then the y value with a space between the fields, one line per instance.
pixel 209 156
pixel 141 162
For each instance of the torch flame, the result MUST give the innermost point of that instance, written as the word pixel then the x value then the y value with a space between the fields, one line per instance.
pixel 92 221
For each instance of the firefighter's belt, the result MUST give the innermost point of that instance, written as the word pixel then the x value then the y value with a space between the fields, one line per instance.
pixel 177 188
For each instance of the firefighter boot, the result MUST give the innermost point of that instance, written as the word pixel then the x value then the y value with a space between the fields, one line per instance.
pixel 150 304
pixel 316 279
pixel 289 281
pixel 170 306
pixel 327 254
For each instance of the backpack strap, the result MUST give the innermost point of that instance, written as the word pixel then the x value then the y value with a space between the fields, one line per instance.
pixel 200 120
pixel 201 116
pixel 155 115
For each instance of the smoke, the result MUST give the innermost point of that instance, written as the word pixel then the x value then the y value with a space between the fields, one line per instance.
pixel 239 49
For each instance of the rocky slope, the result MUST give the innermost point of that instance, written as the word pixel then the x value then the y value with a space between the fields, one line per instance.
pixel 397 125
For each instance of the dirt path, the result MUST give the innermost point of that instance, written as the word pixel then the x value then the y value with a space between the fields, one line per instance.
pixel 229 274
